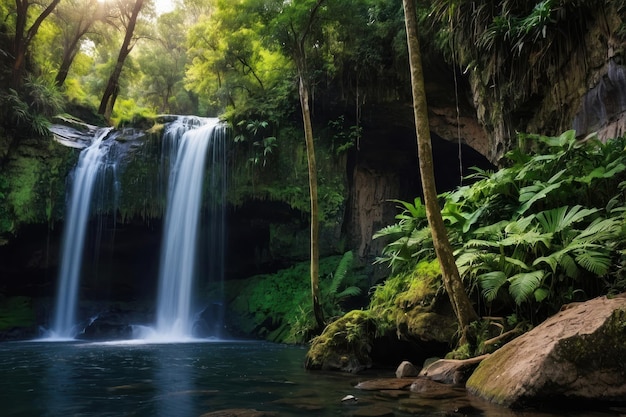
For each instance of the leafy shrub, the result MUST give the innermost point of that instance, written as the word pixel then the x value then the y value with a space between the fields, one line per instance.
pixel 546 230
pixel 31 108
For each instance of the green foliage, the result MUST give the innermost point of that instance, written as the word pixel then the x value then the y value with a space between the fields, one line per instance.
pixel 410 238
pixel 127 112
pixel 516 234
pixel 508 45
pixel 16 312
pixel 31 107
pixel 335 289
pixel 339 286
pixel 278 306
pixel 253 132
pixel 6 223
pixel 344 137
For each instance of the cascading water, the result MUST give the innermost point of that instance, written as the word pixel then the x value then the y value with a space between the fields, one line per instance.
pixel 86 173
pixel 190 139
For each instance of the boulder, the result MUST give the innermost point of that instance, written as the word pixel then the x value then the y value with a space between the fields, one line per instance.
pixel 114 323
pixel 576 356
pixel 406 369
pixel 335 349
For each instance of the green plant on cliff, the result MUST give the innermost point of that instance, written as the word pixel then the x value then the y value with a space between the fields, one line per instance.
pixel 276 307
pixel 344 137
pixel 516 235
pixel 32 106
pixel 509 48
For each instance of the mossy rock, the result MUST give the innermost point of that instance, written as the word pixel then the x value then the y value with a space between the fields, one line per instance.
pixel 344 345
pixel 32 183
pixel 411 305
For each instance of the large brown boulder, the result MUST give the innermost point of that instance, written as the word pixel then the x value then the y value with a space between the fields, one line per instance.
pixel 576 355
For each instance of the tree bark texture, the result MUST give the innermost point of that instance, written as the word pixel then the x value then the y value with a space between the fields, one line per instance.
pixel 110 92
pixel 452 281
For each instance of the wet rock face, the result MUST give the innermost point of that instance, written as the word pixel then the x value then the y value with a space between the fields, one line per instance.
pixel 576 355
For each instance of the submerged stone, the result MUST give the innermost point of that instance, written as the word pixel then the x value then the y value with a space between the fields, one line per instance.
pixel 575 356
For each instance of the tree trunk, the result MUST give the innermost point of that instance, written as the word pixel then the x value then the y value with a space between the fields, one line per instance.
pixel 299 56
pixel 110 92
pixel 23 37
pixel 452 281
pixel 310 152
pixel 69 53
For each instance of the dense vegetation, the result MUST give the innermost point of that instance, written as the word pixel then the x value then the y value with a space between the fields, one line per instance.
pixel 546 229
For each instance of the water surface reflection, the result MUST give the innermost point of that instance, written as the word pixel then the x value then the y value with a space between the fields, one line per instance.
pixel 138 379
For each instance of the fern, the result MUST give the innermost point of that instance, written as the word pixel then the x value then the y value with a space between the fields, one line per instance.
pixel 340 273
pixel 559 219
pixel 524 285
pixel 491 283
pixel 596 262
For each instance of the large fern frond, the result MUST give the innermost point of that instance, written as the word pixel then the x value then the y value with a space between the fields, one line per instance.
pixel 340 273
pixel 559 219
pixel 596 262
pixel 491 283
pixel 525 284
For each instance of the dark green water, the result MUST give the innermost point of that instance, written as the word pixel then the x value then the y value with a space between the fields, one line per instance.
pixel 191 379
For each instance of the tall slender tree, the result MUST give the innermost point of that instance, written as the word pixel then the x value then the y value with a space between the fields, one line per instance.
pixel 129 18
pixel 297 22
pixel 76 18
pixel 452 281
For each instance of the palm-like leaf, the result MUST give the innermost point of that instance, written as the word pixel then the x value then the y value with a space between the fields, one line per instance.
pixel 491 283
pixel 530 194
pixel 594 261
pixel 559 219
pixel 524 285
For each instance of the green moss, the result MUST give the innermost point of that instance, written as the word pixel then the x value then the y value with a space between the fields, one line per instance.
pixel 16 312
pixel 142 189
pixel 283 177
pixel 605 349
pixel 345 343
pixel 483 376
pixel 33 183
pixel 402 300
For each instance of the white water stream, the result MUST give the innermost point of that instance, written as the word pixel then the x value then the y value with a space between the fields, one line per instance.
pixel 87 170
pixel 174 320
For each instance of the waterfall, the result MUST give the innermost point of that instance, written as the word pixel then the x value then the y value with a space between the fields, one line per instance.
pixel 189 140
pixel 86 174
